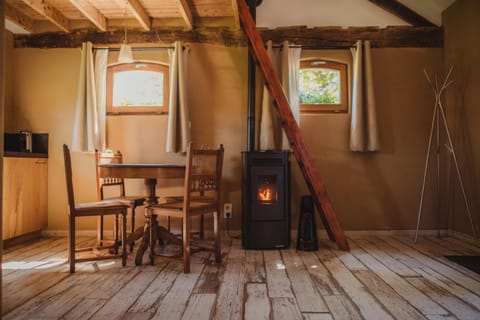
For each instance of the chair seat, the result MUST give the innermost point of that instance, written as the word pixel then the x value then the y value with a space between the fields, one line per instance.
pixel 104 206
pixel 131 201
pixel 196 207
pixel 193 198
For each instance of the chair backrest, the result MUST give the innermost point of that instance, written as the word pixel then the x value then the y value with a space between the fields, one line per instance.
pixel 107 157
pixel 203 173
pixel 68 177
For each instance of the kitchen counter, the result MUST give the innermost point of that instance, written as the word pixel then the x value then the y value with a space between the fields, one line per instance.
pixel 19 154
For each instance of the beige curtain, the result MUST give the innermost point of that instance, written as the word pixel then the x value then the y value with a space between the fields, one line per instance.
pixel 363 126
pixel 178 130
pixel 89 122
pixel 286 62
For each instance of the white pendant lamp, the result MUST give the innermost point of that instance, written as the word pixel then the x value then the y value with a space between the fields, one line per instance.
pixel 125 55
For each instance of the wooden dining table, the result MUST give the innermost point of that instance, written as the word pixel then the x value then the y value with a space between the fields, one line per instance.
pixel 150 172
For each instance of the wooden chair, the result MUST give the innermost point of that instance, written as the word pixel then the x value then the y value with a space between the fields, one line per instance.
pixel 201 196
pixel 116 184
pixel 98 208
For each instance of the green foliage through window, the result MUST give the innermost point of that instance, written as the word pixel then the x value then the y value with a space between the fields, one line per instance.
pixel 319 86
pixel 322 86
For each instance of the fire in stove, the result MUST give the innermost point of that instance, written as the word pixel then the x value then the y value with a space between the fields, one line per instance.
pixel 267 193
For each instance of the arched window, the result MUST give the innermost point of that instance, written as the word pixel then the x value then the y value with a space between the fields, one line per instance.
pixel 137 88
pixel 323 86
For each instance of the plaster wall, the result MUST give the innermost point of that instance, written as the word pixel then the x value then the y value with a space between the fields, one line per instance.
pixel 368 191
pixel 462 105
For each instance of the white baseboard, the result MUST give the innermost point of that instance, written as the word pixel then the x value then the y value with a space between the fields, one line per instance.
pixel 64 233
pixel 321 233
pixel 465 237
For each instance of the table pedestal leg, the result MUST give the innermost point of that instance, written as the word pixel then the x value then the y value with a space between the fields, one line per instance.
pixel 151 185
pixel 151 232
pixel 144 244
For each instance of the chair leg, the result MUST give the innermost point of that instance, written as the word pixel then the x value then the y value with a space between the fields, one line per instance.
pixel 153 237
pixel 115 231
pixel 133 228
pixel 202 234
pixel 216 232
pixel 124 238
pixel 186 244
pixel 71 246
pixel 100 230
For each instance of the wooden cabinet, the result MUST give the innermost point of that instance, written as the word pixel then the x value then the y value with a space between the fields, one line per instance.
pixel 24 196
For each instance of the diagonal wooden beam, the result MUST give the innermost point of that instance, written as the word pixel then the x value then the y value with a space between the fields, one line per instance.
pixel 402 11
pixel 291 129
pixel 91 13
pixel 17 17
pixel 136 9
pixel 236 18
pixel 186 13
pixel 47 10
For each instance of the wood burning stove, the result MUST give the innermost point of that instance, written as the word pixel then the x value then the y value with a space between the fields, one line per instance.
pixel 266 199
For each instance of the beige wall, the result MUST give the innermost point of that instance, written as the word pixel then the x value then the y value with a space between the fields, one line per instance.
pixel 369 191
pixel 44 93
pixel 462 51
pixel 379 191
pixel 8 80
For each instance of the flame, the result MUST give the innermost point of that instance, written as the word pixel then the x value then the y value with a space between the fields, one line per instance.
pixel 265 195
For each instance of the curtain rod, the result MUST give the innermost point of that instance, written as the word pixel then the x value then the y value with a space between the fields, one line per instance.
pixel 316 47
pixel 135 48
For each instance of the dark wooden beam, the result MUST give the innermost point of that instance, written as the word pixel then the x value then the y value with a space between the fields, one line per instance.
pixel 324 37
pixel 389 37
pixel 402 11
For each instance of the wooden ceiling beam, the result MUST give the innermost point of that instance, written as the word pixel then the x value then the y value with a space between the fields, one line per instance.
pixel 402 11
pixel 186 13
pixel 136 9
pixel 47 10
pixel 17 17
pixel 323 37
pixel 236 17
pixel 91 13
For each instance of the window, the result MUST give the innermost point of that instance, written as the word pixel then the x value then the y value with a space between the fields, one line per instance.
pixel 323 86
pixel 137 88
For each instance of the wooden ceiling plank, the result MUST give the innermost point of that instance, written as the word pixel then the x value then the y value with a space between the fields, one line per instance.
pixel 18 18
pixel 136 9
pixel 91 13
pixel 402 11
pixel 235 14
pixel 186 13
pixel 47 10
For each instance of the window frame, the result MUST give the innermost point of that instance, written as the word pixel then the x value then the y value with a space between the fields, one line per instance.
pixel 130 110
pixel 342 107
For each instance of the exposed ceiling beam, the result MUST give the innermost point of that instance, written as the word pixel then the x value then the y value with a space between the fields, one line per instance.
pixel 47 10
pixel 17 17
pixel 322 37
pixel 184 9
pixel 402 11
pixel 235 14
pixel 91 13
pixel 136 9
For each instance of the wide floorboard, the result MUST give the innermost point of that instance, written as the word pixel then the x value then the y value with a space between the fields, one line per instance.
pixel 382 277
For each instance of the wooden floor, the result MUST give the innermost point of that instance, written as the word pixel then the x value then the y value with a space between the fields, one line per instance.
pixel 383 277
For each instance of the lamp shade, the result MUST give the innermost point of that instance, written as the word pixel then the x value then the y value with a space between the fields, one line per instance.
pixel 125 54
